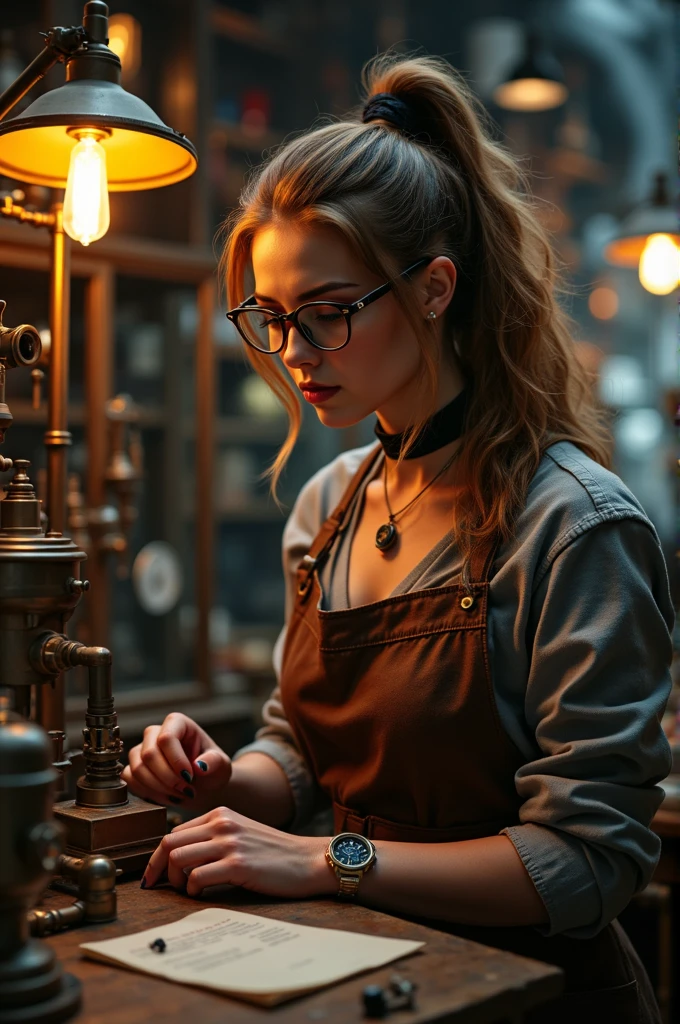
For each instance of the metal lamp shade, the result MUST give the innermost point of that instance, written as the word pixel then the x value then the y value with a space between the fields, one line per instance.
pixel 535 84
pixel 141 151
pixel 626 249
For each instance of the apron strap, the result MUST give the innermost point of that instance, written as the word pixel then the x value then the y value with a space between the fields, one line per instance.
pixel 475 570
pixel 322 543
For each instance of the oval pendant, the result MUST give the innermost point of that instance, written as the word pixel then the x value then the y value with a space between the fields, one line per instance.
pixel 386 536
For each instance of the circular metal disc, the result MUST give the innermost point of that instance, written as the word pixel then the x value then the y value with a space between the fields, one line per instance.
pixel 157 577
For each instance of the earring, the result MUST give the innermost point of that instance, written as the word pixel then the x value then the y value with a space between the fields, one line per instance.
pixel 432 315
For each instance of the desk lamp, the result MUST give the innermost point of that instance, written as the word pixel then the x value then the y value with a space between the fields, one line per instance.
pixel 88 136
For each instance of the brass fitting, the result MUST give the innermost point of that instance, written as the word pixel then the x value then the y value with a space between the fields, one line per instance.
pixel 95 877
pixel 51 654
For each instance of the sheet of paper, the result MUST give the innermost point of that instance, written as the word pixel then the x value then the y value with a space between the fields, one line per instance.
pixel 255 958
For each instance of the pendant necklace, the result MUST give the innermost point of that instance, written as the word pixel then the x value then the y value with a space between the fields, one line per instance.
pixel 386 534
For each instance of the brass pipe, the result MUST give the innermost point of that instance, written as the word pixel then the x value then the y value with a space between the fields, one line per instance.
pixel 95 877
pixel 101 785
pixel 98 386
pixel 57 437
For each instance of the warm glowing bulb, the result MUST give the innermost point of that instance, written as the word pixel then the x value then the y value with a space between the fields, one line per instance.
pixel 659 268
pixel 530 94
pixel 86 202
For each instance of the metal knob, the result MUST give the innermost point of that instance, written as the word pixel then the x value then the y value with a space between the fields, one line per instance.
pixel 77 586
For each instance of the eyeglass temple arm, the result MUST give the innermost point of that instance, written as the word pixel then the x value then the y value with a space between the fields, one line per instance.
pixel 384 288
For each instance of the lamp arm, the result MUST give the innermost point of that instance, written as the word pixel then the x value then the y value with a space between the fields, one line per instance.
pixel 59 44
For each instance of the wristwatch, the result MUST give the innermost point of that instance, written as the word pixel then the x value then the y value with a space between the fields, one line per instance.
pixel 350 856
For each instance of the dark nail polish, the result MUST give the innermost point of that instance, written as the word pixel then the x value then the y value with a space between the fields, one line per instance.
pixel 188 792
pixel 202 765
pixel 142 884
pixel 174 800
pixel 186 776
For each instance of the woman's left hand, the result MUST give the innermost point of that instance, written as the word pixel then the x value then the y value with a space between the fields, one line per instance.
pixel 226 848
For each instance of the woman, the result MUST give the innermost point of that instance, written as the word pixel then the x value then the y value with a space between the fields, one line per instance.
pixel 476 651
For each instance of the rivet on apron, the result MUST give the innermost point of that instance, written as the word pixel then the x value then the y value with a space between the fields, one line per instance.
pixel 467 602
pixel 303 585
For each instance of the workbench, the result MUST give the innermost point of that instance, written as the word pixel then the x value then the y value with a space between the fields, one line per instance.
pixel 457 980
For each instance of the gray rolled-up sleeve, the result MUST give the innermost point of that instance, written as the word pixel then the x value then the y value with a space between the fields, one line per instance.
pixel 599 643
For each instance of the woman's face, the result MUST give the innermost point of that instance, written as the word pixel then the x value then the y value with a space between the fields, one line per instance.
pixel 378 370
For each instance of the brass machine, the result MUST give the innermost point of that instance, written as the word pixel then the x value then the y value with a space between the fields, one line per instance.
pixel 33 987
pixel 40 586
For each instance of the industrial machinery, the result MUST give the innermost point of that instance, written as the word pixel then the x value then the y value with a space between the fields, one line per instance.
pixel 33 986
pixel 40 586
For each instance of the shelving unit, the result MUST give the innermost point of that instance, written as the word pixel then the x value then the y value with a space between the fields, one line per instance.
pixel 250 31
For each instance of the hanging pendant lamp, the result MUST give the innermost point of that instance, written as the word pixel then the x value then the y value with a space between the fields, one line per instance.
pixel 655 217
pixel 649 239
pixel 536 83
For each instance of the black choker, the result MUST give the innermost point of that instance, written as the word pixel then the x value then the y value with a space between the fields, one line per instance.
pixel 441 429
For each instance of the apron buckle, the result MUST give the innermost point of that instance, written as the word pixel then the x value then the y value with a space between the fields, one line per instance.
pixel 307 566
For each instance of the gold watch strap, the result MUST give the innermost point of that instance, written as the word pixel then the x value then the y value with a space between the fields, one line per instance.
pixel 349 885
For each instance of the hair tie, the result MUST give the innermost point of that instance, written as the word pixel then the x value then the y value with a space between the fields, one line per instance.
pixel 385 106
pixel 413 117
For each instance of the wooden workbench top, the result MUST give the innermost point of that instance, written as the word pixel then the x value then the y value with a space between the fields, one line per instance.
pixel 457 980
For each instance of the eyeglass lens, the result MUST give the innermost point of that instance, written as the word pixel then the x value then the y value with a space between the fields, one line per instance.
pixel 323 325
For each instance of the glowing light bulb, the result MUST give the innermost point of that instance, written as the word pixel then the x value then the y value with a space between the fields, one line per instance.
pixel 86 202
pixel 659 268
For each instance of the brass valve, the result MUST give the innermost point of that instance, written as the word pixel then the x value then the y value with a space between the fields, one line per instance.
pixel 19 346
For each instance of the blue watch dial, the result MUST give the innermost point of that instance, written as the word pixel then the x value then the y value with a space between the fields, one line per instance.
pixel 351 853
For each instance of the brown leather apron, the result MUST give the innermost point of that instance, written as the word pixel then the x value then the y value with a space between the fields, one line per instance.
pixel 393 709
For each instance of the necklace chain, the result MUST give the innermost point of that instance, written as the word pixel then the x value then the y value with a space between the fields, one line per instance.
pixel 393 516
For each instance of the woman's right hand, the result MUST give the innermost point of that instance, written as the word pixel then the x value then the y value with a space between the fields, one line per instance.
pixel 177 762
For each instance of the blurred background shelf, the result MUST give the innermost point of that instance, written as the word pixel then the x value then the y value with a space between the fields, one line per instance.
pixel 224 133
pixel 250 31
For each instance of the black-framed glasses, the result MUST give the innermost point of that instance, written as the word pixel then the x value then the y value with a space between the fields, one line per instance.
pixel 325 325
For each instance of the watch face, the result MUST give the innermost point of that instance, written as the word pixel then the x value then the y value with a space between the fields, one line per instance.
pixel 351 851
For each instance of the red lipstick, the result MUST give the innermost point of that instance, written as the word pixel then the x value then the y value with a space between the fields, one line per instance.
pixel 317 393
